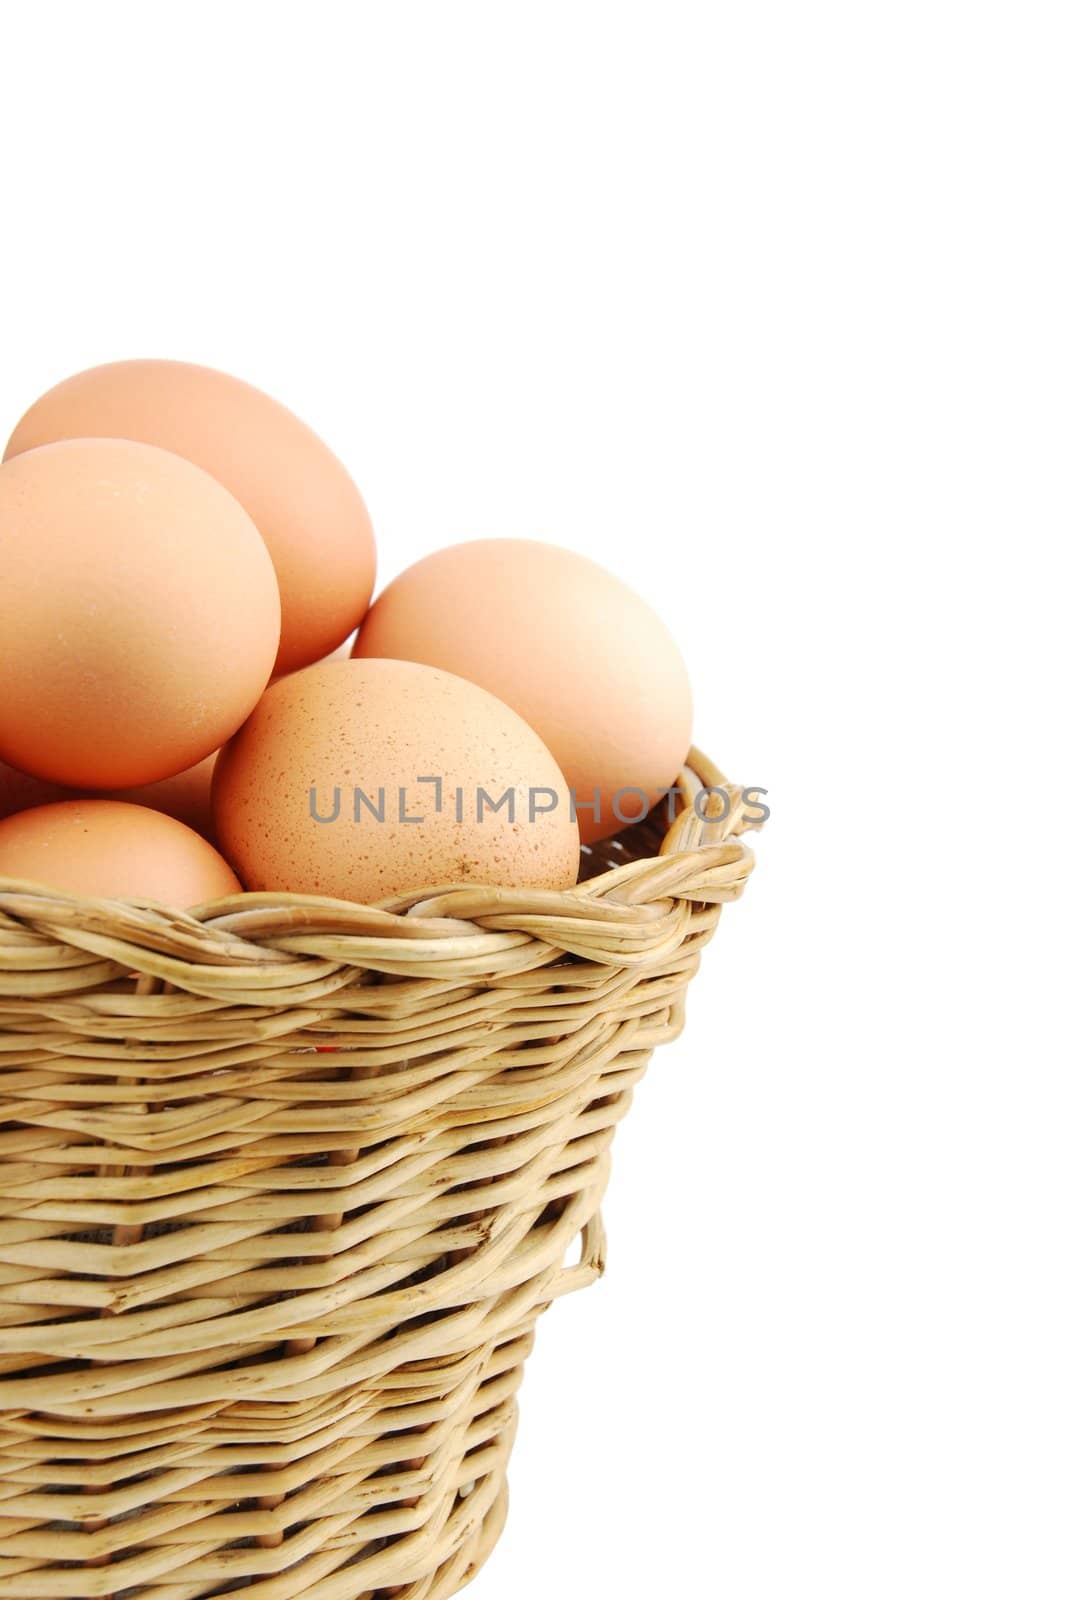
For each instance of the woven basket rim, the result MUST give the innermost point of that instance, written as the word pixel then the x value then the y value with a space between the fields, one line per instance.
pixel 698 859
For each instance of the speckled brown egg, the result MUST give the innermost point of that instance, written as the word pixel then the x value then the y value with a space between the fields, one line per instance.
pixel 363 780
pixel 307 507
pixel 110 849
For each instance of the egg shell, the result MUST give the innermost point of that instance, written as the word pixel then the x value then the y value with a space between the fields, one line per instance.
pixel 304 502
pixel 110 849
pixel 576 652
pixel 341 652
pixel 387 725
pixel 141 614
pixel 187 796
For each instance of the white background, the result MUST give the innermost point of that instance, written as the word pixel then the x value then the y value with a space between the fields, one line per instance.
pixel 766 307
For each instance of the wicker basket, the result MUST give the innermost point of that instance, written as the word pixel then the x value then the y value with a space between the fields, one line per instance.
pixel 285 1186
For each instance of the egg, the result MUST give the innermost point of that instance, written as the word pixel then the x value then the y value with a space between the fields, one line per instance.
pixel 110 849
pixel 342 652
pixel 362 780
pixel 187 796
pixel 304 502
pixel 141 614
pixel 578 654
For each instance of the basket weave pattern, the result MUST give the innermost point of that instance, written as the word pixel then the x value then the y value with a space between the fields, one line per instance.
pixel 284 1188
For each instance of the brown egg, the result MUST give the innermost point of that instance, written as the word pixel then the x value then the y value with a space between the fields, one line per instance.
pixel 141 614
pixel 361 780
pixel 307 507
pixel 342 652
pixel 187 796
pixel 579 655
pixel 109 849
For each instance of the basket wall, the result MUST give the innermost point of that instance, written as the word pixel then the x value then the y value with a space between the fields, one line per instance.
pixel 285 1186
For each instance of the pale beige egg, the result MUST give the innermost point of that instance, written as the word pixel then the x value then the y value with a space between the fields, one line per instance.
pixel 578 654
pixel 110 849
pixel 141 614
pixel 305 504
